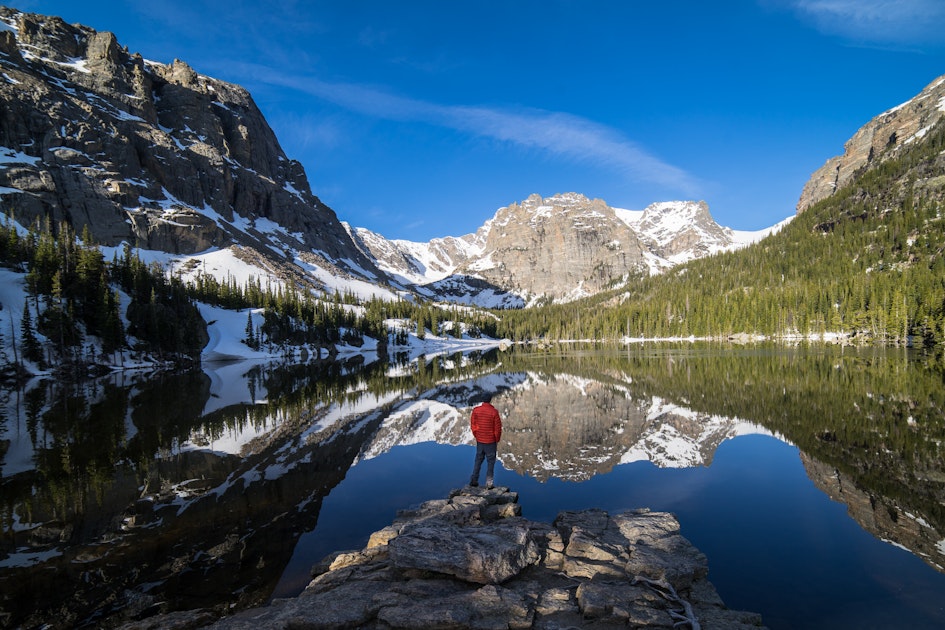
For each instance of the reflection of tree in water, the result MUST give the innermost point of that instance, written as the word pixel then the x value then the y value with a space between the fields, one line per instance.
pixel 126 522
pixel 874 414
pixel 873 418
pixel 111 483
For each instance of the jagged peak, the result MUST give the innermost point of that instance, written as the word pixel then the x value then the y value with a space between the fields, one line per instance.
pixel 558 199
pixel 170 159
pixel 884 136
pixel 536 209
pixel 677 207
pixel 563 201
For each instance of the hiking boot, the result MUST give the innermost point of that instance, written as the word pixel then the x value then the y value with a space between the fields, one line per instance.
pixel 474 484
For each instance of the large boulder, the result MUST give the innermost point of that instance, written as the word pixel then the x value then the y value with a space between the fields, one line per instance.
pixel 488 554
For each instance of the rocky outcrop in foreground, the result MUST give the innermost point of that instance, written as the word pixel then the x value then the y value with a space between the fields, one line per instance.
pixel 472 561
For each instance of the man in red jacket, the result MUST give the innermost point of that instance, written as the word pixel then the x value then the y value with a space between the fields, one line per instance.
pixel 486 427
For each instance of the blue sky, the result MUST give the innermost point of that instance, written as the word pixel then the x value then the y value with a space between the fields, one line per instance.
pixel 419 119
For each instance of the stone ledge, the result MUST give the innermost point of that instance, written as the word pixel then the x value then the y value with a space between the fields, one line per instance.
pixel 472 561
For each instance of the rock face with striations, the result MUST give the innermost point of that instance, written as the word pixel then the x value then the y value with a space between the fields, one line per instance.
pixel 876 141
pixel 559 246
pixel 472 561
pixel 152 154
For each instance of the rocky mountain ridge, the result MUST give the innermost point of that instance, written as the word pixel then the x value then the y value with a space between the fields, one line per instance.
pixel 878 140
pixel 171 161
pixel 154 155
pixel 562 247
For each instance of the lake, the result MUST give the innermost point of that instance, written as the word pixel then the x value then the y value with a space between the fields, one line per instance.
pixel 813 477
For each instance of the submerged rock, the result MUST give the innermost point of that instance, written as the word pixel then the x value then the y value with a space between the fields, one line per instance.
pixel 472 561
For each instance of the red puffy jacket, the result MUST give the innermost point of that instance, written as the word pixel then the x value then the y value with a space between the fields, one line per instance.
pixel 486 424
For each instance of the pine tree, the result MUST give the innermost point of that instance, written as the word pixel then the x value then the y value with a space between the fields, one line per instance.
pixel 32 351
pixel 113 333
pixel 250 334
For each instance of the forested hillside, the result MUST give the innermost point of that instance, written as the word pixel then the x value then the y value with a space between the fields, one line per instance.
pixel 82 309
pixel 866 262
pixel 74 294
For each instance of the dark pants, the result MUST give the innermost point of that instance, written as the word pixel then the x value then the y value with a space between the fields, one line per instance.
pixel 484 452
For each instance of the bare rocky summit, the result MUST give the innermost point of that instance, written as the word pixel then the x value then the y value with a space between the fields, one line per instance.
pixel 152 154
pixel 562 247
pixel 879 139
pixel 472 561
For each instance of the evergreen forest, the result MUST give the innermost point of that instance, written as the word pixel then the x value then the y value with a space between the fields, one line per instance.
pixel 74 295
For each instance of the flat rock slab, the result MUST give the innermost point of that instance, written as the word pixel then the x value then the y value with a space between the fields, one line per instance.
pixel 482 554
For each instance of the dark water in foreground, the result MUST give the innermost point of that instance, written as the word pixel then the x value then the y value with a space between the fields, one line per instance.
pixel 775 543
pixel 812 478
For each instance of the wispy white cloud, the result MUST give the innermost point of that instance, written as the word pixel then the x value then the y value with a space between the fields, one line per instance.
pixel 908 23
pixel 569 136
pixel 555 133
pixel 307 130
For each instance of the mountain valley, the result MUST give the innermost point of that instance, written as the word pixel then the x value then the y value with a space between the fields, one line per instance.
pixel 211 383
pixel 169 160
pixel 183 170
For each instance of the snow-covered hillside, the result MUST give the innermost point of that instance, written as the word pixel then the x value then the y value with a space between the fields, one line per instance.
pixel 185 167
pixel 676 232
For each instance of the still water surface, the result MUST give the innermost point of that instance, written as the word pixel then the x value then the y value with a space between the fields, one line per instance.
pixel 812 478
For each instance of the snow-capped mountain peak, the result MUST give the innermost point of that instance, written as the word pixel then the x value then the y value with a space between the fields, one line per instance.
pixel 565 247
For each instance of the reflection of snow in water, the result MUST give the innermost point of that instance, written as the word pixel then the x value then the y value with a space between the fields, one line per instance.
pixel 415 421
pixel 666 447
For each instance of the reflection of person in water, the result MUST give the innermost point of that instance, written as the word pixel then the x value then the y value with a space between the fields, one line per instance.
pixel 486 427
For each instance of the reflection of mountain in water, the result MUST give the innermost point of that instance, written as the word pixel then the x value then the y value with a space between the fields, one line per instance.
pixel 574 428
pixel 564 426
pixel 560 425
pixel 878 515
pixel 203 484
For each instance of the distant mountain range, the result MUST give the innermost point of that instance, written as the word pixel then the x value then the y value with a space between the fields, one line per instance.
pixel 562 247
pixel 185 168
pixel 174 162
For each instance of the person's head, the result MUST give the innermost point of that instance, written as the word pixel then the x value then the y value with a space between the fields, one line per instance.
pixel 483 397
